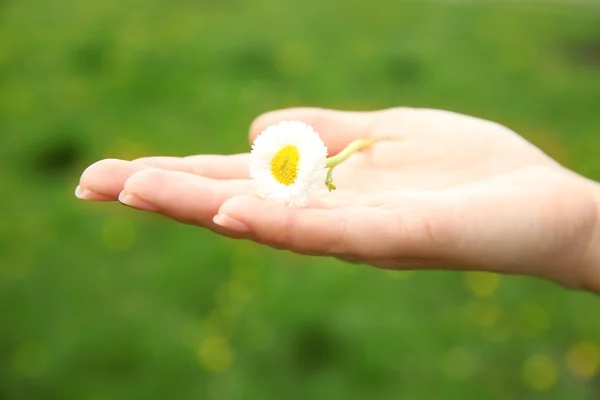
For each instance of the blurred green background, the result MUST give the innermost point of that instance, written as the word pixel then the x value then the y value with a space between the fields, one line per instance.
pixel 98 302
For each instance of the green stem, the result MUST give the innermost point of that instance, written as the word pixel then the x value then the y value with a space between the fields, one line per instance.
pixel 352 148
pixel 339 158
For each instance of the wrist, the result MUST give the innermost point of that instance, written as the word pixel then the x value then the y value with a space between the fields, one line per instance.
pixel 591 259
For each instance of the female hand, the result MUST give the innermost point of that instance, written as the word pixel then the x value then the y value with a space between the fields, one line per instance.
pixel 437 190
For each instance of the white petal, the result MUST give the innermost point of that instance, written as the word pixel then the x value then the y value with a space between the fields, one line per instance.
pixel 313 155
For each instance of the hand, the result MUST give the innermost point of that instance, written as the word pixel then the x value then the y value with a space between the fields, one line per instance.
pixel 437 190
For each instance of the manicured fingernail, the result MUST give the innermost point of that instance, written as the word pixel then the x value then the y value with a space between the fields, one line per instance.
pixel 87 194
pixel 226 221
pixel 135 202
pixel 82 193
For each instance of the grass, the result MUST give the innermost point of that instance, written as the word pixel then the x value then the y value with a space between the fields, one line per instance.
pixel 100 302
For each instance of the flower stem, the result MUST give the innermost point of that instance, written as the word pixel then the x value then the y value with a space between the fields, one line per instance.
pixel 339 158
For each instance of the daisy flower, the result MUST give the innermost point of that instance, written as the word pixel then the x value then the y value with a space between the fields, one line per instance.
pixel 287 162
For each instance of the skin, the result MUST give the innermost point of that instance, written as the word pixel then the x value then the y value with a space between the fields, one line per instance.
pixel 437 190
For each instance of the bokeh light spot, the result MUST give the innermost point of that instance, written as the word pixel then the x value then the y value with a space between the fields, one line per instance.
pixel 482 284
pixel 483 314
pixel 583 359
pixel 215 354
pixel 540 372
pixel 30 359
pixel 231 297
pixel 218 324
pixel 247 263
pixel 118 234
pixel 496 334
pixel 459 364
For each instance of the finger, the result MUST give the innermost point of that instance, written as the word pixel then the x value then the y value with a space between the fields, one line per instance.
pixel 336 128
pixel 180 196
pixel 104 180
pixel 209 165
pixel 362 232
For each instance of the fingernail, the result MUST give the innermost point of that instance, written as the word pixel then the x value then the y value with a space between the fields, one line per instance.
pixel 87 194
pixel 82 193
pixel 226 221
pixel 135 202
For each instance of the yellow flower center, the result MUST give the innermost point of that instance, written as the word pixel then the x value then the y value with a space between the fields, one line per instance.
pixel 284 166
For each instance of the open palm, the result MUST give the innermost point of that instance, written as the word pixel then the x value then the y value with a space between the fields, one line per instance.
pixel 437 190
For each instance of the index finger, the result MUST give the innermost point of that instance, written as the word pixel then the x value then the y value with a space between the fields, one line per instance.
pixel 363 232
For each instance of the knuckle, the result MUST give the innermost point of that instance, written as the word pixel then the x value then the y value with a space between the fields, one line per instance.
pixel 422 235
pixel 288 236
pixel 103 165
pixel 200 167
pixel 434 234
pixel 141 160
pixel 338 241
